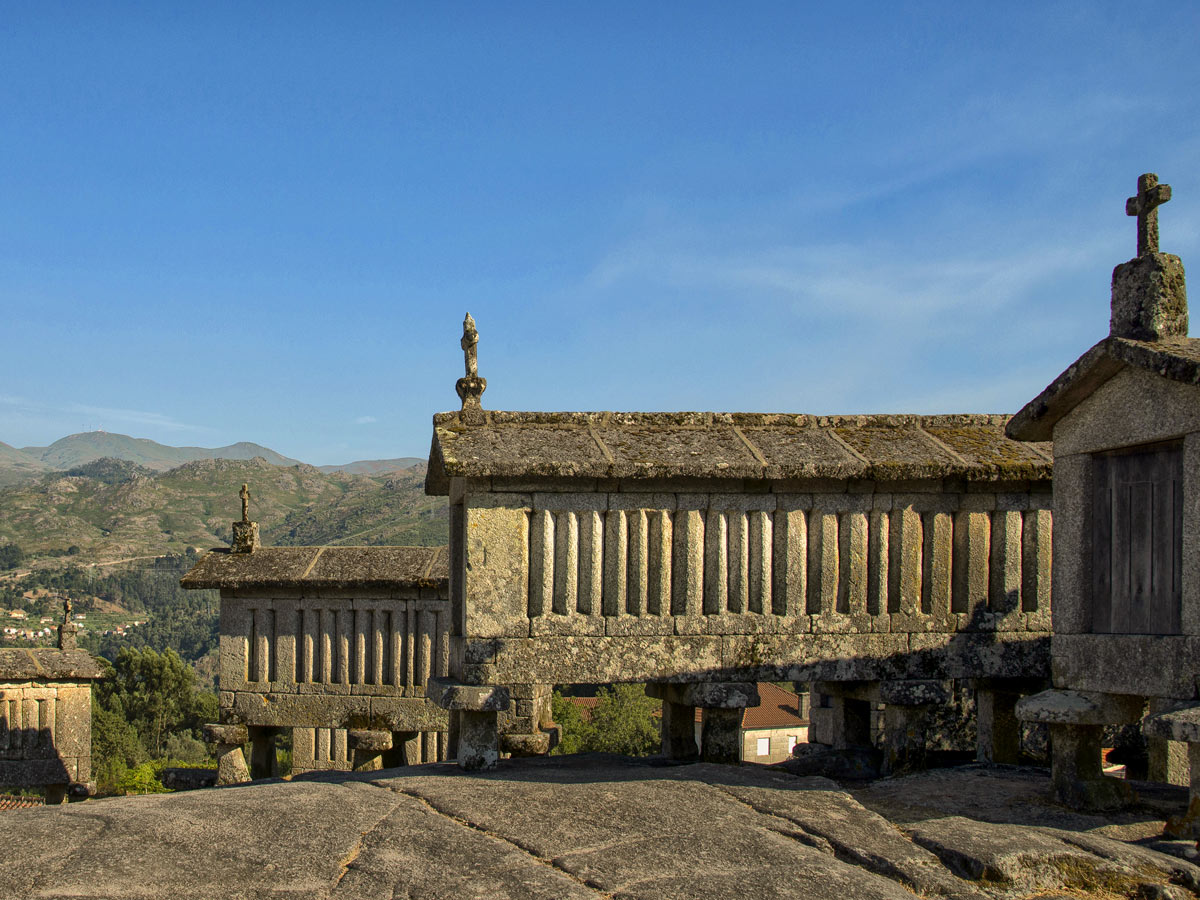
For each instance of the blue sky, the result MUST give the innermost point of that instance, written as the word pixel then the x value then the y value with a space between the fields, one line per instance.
pixel 264 222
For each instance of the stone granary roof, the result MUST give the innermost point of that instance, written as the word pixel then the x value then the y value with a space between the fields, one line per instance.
pixel 1176 358
pixel 728 446
pixel 47 664
pixel 321 567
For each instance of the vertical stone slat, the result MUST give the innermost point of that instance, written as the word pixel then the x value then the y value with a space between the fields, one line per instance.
pixel 761 562
pixel 410 648
pixel 591 562
pixel 541 563
pixel 616 554
pixel 738 597
pixel 687 563
pixel 789 595
pixel 359 663
pixel 443 643
pixel 938 562
pixel 822 562
pixel 716 563
pixel 566 562
pixel 659 559
pixel 877 561
pixel 4 726
pixel 1004 576
pixel 637 570
pixel 15 725
pixel 339 753
pixel 852 563
pixel 328 642
pixel 380 646
pixel 1035 560
pixel 427 625
pixel 310 636
pixel 970 562
pixel 906 542
pixel 263 632
pixel 345 645
pixel 286 626
pixel 395 638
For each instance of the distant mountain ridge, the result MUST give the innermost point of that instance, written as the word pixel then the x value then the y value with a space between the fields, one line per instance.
pixel 75 450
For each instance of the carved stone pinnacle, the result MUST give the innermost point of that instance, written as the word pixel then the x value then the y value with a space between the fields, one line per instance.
pixel 471 387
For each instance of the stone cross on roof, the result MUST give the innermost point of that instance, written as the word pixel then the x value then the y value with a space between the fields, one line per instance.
pixel 244 493
pixel 1145 205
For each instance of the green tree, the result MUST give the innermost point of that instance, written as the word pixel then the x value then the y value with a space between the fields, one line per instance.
pixel 156 694
pixel 11 556
pixel 624 720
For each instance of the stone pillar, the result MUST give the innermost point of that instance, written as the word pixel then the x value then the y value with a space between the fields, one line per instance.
pixel 1076 720
pixel 849 722
pixel 1168 758
pixel 723 703
pixel 263 761
pixel 906 705
pixel 999 731
pixel 367 749
pixel 679 732
pixel 231 761
pixel 474 717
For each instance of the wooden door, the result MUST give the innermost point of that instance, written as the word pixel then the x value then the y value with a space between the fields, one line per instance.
pixel 1137 541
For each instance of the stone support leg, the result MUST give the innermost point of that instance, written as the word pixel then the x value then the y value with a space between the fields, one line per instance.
pixel 721 736
pixel 1079 781
pixel 1168 760
pixel 849 722
pixel 679 732
pixel 56 794
pixel 903 738
pixel 231 764
pixel 367 749
pixel 999 739
pixel 478 740
pixel 263 763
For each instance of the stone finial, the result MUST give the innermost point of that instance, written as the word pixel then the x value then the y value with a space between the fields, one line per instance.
pixel 471 387
pixel 245 532
pixel 68 630
pixel 1149 293
pixel 1145 205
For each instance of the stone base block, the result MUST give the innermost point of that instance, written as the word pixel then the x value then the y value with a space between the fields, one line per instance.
pixel 231 764
pixel 1060 707
pixel 721 736
pixel 456 696
pixel 707 695
pixel 1079 781
pixel 477 740
pixel 679 732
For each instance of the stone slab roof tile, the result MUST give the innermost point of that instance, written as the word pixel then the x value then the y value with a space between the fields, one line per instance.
pixel 1175 358
pixel 47 664
pixel 728 445
pixel 321 567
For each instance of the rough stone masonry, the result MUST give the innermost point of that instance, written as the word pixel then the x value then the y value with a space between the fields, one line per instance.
pixel 878 556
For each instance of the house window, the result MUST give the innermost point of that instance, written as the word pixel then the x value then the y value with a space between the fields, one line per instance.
pixel 1137 540
pixel 764 746
pixel 791 742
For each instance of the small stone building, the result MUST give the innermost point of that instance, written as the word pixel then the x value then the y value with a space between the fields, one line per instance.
pixel 880 556
pixel 335 644
pixel 1125 423
pixel 46 718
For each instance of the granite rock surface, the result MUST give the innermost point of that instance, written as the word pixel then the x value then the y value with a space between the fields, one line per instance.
pixel 592 827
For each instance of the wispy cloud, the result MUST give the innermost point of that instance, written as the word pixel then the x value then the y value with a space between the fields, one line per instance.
pixel 365 420
pixel 96 416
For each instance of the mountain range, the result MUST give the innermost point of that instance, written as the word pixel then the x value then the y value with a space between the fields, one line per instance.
pixel 17 465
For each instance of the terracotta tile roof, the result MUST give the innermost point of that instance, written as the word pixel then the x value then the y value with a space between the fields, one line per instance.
pixel 11 801
pixel 778 709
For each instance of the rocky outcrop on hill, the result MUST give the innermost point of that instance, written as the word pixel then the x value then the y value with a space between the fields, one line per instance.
pixel 590 827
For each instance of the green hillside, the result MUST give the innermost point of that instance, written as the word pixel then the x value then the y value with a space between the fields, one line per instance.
pixel 17 465
pixel 77 449
pixel 111 510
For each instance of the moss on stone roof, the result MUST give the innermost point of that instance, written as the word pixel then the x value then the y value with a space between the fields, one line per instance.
pixel 321 567
pixel 728 445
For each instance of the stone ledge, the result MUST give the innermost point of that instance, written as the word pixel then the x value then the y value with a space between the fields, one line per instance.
pixel 454 695
pixel 1058 707
pixel 1176 725
pixel 707 695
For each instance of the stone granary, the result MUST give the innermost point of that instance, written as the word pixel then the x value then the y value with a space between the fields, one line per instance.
pixel 334 643
pixel 1125 422
pixel 46 717
pixel 878 556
